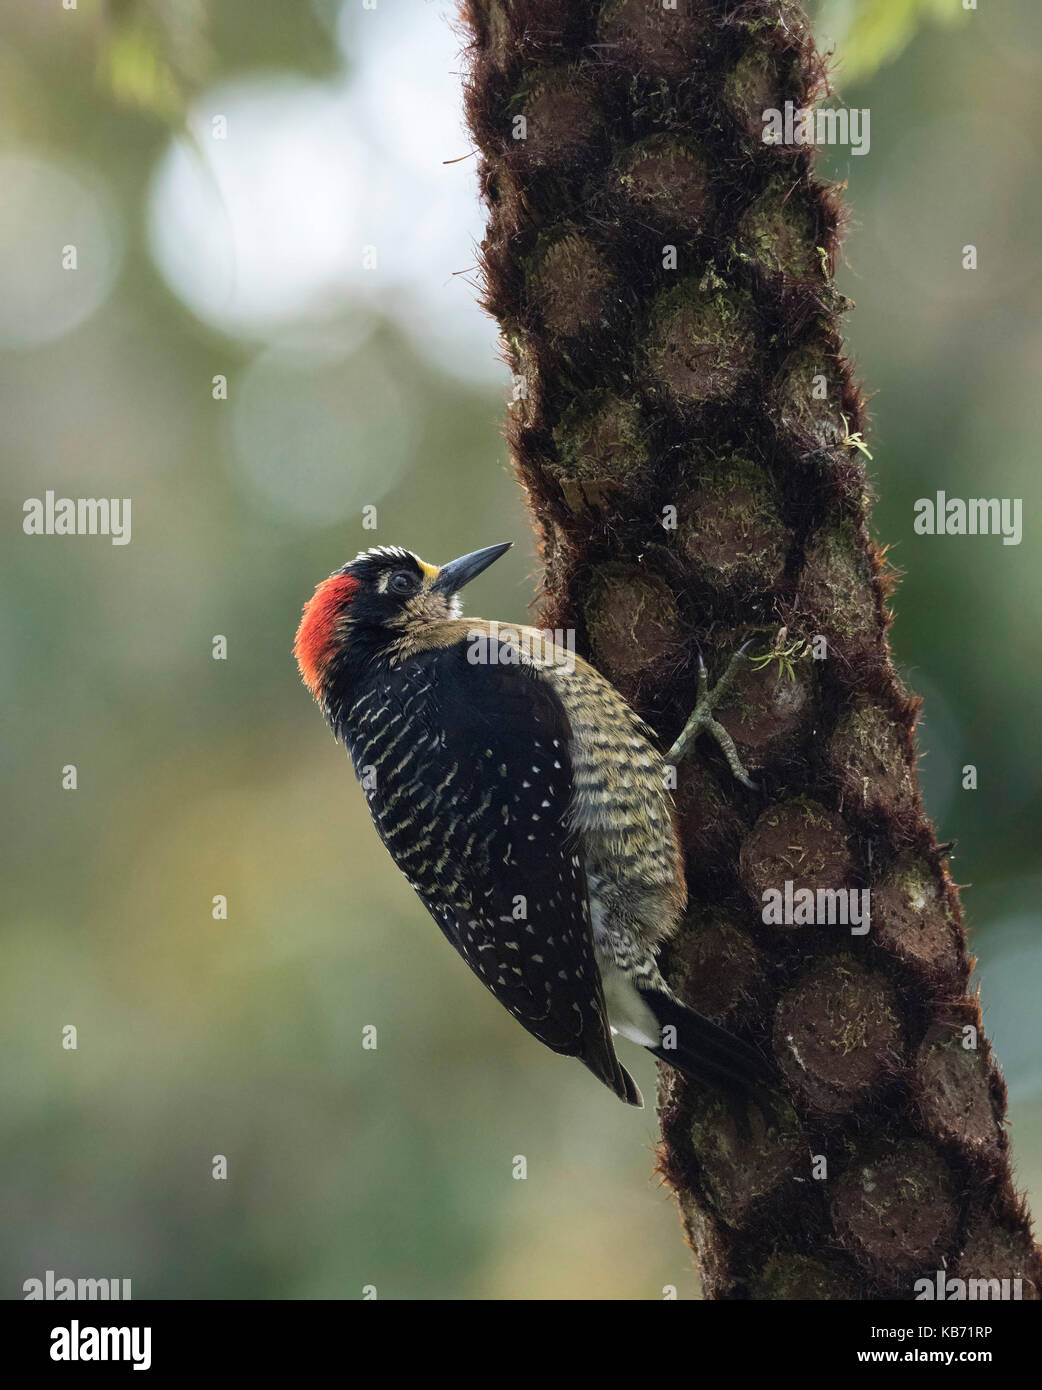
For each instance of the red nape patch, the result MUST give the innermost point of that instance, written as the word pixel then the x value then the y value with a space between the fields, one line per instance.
pixel 316 635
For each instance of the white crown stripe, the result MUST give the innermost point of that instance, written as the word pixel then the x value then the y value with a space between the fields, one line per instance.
pixel 392 552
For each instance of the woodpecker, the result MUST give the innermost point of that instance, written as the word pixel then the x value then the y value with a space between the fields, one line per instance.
pixel 526 804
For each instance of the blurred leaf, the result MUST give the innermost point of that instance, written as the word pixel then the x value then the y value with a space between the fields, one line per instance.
pixel 155 56
pixel 865 34
pixel 131 69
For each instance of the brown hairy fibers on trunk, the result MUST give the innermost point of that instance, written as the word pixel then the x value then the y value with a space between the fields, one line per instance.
pixel 689 435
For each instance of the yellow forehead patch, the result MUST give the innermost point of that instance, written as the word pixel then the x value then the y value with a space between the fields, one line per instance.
pixel 430 572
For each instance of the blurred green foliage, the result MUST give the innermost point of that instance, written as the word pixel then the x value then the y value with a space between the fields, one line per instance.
pixel 865 34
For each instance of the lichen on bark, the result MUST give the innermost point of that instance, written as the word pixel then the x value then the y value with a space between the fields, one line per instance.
pixel 688 437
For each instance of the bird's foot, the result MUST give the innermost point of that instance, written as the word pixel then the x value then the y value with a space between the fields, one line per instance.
pixel 701 721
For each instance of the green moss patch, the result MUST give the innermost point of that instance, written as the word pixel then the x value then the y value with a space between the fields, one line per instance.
pixel 701 344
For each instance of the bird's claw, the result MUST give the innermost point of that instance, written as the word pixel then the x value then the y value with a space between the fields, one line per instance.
pixel 701 719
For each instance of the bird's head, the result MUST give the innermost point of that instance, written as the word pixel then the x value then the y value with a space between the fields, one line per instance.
pixel 375 602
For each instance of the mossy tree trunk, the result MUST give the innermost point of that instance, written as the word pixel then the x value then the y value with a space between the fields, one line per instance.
pixel 687 430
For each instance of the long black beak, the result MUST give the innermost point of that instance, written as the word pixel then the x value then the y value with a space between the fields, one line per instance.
pixel 456 573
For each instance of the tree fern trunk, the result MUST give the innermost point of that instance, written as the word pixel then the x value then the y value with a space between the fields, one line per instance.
pixel 687 430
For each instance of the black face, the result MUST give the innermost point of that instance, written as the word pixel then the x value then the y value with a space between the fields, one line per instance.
pixel 396 589
pixel 390 580
pixel 384 601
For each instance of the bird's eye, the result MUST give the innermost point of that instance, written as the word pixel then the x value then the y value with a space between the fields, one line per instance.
pixel 402 583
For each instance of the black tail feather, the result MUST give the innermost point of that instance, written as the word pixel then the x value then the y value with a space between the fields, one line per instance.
pixel 618 1079
pixel 709 1054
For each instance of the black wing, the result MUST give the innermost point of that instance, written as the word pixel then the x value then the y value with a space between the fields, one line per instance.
pixel 468 779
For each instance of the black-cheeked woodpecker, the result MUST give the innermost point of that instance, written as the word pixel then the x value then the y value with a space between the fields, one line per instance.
pixel 527 805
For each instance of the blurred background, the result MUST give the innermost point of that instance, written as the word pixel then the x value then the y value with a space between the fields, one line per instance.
pixel 320 256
